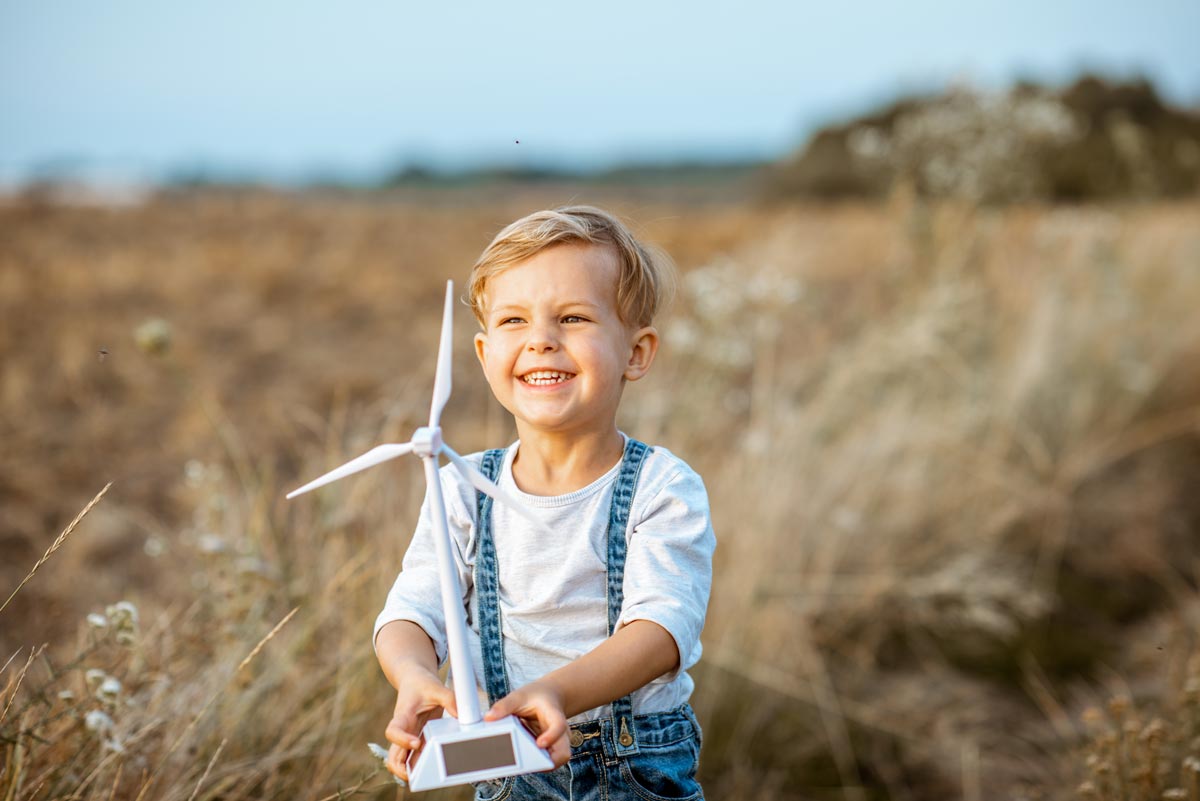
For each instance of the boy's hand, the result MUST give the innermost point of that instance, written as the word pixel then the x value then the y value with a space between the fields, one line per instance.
pixel 421 695
pixel 539 706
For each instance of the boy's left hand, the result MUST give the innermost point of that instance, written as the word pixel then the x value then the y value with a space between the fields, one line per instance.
pixel 540 708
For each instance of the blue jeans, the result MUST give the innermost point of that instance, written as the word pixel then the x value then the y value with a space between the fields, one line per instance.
pixel 662 769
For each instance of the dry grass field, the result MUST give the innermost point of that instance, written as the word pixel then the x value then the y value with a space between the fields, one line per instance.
pixel 953 455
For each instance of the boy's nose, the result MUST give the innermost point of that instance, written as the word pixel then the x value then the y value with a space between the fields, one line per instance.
pixel 542 345
pixel 542 340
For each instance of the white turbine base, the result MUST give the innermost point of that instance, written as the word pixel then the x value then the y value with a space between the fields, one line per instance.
pixel 454 753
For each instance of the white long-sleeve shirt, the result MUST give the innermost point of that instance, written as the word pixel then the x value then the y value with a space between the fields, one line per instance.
pixel 553 607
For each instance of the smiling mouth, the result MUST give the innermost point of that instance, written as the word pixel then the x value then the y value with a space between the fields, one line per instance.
pixel 545 378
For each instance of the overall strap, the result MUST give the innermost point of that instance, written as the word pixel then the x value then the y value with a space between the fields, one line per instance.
pixel 487 582
pixel 624 733
pixel 487 586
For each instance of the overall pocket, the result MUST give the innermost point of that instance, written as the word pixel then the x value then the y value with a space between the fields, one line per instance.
pixel 664 773
pixel 493 789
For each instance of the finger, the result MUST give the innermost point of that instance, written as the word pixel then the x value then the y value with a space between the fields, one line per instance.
pixel 445 699
pixel 397 762
pixel 400 732
pixel 501 708
pixel 560 752
pixel 554 729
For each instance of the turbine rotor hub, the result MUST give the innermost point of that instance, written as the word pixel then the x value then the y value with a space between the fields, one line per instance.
pixel 427 441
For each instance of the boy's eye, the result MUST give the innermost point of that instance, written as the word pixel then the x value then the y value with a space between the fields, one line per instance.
pixel 508 320
pixel 574 318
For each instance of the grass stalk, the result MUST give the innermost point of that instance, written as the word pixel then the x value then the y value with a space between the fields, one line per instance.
pixel 208 769
pixel 208 703
pixel 58 542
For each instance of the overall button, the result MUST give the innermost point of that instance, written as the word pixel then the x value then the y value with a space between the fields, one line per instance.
pixel 576 738
pixel 626 739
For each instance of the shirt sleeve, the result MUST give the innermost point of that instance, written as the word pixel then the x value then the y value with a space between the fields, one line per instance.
pixel 668 566
pixel 416 594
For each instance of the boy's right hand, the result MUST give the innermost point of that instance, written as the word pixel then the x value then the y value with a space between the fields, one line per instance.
pixel 420 696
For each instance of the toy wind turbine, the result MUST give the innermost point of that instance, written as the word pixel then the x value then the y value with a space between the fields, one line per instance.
pixel 468 749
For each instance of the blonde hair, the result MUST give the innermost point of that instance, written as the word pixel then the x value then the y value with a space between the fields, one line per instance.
pixel 645 274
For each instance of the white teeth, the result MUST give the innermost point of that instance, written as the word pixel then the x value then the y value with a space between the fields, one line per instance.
pixel 544 377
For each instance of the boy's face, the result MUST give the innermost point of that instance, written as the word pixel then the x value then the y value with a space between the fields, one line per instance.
pixel 555 351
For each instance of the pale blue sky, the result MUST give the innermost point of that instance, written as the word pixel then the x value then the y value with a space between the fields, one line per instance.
pixel 288 89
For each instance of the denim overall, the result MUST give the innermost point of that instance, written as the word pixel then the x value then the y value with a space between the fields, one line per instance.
pixel 623 756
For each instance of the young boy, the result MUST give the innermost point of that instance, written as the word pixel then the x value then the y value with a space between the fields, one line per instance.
pixel 586 636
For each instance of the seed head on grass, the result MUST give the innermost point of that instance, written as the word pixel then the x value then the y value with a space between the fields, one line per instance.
pixel 58 542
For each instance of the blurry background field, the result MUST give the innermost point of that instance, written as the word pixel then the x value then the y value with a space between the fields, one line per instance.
pixel 939 367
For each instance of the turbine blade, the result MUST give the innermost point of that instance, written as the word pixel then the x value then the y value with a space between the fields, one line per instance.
pixel 378 454
pixel 441 382
pixel 481 482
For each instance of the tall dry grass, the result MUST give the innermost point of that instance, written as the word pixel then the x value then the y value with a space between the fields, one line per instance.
pixel 953 467
pixel 950 453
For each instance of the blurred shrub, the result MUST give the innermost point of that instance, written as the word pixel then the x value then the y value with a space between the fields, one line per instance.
pixel 1130 756
pixel 1092 140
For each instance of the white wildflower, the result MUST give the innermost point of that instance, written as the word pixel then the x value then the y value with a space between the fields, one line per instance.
pixel 193 472
pixel 97 621
pixel 732 353
pixel 253 566
pixel 123 613
pixel 97 720
pixel 715 290
pixel 109 690
pixel 211 544
pixel 846 518
pixel 153 336
pixel 756 441
pixel 154 547
pixel 114 745
pixel 95 676
pixel 682 334
pixel 124 617
pixel 66 695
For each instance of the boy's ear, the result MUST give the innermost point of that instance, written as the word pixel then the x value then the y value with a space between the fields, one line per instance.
pixel 645 346
pixel 481 349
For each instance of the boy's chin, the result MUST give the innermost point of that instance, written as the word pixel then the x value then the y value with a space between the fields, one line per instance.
pixel 549 423
pixel 560 419
pixel 543 424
